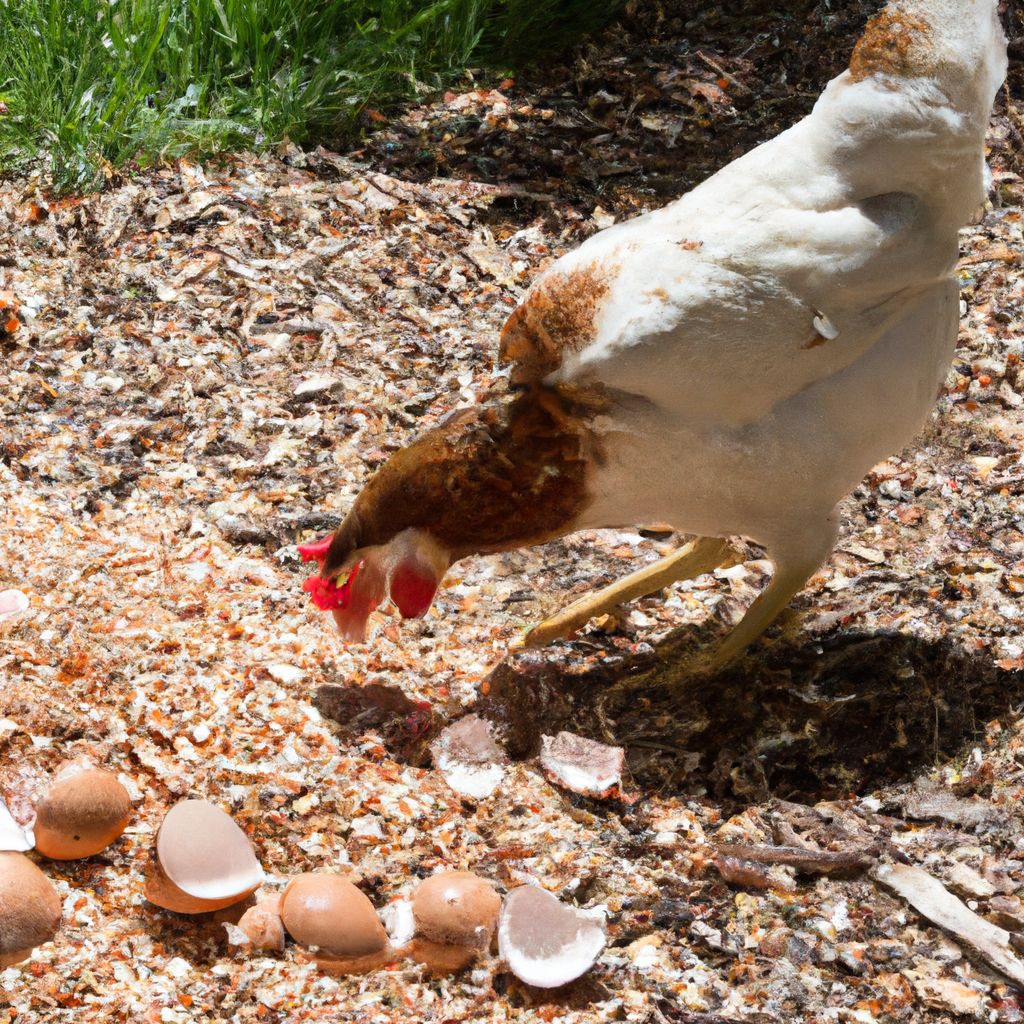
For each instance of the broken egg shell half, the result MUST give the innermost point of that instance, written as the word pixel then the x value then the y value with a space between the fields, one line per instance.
pixel 546 943
pixel 30 908
pixel 333 919
pixel 203 861
pixel 263 926
pixel 81 813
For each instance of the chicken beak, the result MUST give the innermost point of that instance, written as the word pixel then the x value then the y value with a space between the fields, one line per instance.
pixel 365 594
pixel 419 564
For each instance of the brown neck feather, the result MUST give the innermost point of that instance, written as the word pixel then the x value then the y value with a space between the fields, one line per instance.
pixel 507 473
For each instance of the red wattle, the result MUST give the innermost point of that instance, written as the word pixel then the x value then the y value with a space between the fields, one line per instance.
pixel 326 594
pixel 413 591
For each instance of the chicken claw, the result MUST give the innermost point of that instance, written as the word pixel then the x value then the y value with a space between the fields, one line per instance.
pixel 693 559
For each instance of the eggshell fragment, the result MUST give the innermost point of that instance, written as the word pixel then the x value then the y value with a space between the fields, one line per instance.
pixel 203 861
pixel 582 765
pixel 468 757
pixel 82 813
pixel 263 926
pixel 398 919
pixel 29 908
pixel 546 943
pixel 12 604
pixel 13 837
pixel 328 915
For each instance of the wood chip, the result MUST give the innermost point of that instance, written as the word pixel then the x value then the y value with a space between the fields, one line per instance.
pixel 810 862
pixel 930 898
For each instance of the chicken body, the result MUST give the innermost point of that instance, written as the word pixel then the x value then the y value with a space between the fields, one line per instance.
pixel 736 361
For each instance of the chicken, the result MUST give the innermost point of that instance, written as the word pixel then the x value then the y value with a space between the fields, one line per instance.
pixel 732 364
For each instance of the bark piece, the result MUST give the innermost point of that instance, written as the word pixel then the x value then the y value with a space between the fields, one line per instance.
pixel 930 898
pixel 809 862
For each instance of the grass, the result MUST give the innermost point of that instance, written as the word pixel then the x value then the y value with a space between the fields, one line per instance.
pixel 91 85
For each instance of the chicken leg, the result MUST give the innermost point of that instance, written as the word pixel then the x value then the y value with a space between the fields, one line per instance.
pixel 693 559
pixel 795 561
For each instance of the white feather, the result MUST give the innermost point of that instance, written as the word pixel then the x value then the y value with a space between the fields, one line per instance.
pixel 742 407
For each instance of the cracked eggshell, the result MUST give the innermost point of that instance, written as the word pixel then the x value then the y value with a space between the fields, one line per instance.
pixel 263 926
pixel 203 861
pixel 546 943
pixel 29 908
pixel 332 918
pixel 82 813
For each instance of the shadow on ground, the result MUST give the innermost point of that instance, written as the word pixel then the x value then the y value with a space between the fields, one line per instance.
pixel 807 721
pixel 804 722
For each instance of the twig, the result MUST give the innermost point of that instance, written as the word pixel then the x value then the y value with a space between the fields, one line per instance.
pixel 930 898
pixel 731 79
pixel 811 862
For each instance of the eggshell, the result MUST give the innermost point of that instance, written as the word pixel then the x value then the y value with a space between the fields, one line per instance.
pixel 263 926
pixel 203 861
pixel 330 915
pixel 82 813
pixel 29 908
pixel 547 943
pixel 456 908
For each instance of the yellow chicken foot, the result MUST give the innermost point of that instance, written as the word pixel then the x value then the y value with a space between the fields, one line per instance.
pixel 795 563
pixel 693 559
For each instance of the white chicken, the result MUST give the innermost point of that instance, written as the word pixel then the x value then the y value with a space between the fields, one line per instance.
pixel 732 364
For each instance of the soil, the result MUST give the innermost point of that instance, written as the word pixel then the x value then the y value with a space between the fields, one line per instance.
pixel 208 364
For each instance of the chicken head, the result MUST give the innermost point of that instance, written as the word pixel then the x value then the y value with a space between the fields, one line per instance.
pixel 509 472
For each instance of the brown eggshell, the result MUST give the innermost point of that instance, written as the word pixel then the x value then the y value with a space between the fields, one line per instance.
pixel 82 813
pixel 329 914
pixel 263 926
pixel 162 892
pixel 440 957
pixel 29 908
pixel 456 908
pixel 203 861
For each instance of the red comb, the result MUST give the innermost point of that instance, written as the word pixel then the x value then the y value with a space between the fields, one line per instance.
pixel 315 550
pixel 326 594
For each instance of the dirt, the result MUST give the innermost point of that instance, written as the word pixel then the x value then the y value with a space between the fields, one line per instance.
pixel 208 364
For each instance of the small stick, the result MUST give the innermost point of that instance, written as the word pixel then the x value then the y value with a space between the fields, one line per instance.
pixel 811 862
pixel 715 66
